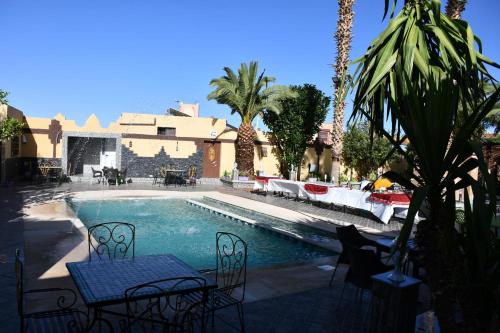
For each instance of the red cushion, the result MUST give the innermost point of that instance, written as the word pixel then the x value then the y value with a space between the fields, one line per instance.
pixel 391 198
pixel 264 179
pixel 316 189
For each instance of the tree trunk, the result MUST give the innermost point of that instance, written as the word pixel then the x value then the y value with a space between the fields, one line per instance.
pixel 245 149
pixel 336 171
pixel 343 38
pixel 454 8
pixel 437 264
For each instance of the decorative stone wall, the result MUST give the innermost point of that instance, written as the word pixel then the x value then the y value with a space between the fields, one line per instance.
pixel 138 166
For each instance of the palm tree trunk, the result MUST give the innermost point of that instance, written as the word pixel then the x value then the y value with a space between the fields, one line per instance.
pixel 454 8
pixel 245 149
pixel 343 38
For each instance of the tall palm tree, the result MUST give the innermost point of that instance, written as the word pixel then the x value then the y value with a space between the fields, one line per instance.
pixel 248 94
pixel 343 36
pixel 454 8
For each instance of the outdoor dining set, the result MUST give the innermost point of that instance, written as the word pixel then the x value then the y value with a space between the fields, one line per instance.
pixel 172 175
pixel 152 293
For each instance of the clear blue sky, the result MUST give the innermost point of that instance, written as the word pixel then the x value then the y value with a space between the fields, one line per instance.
pixel 110 56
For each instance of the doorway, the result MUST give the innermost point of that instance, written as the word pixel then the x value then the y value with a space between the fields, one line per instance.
pixel 211 159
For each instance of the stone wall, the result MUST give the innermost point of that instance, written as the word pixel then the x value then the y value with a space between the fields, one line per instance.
pixel 138 166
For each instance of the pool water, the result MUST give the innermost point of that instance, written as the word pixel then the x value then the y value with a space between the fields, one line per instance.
pixel 173 226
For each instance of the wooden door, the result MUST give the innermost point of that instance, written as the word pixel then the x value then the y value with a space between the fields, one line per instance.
pixel 211 159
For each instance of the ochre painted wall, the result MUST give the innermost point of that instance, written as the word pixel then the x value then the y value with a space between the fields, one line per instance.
pixel 141 131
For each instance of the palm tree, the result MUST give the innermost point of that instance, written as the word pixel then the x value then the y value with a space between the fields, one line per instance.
pixel 343 36
pixel 454 8
pixel 248 94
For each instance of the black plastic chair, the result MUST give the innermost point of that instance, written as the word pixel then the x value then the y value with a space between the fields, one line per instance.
pixel 122 176
pixel 96 174
pixel 63 316
pixel 112 240
pixel 349 236
pixel 230 275
pixel 363 264
pixel 169 310
pixel 112 176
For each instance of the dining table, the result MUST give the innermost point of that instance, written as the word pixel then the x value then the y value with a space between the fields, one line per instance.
pixel 104 282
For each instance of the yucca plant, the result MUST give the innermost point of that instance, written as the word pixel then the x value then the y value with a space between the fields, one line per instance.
pixel 415 76
pixel 248 94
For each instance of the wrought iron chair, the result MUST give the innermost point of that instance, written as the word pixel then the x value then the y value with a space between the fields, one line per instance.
pixel 62 317
pixel 230 275
pixel 191 176
pixel 112 240
pixel 156 177
pixel 349 236
pixel 171 309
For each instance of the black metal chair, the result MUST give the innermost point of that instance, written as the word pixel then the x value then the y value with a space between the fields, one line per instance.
pixel 112 240
pixel 63 316
pixel 349 236
pixel 171 309
pixel 230 275
pixel 96 174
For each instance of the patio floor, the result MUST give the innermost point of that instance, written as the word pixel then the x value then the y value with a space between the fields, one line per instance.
pixel 281 299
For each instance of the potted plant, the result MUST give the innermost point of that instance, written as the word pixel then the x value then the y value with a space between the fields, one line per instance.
pixel 312 177
pixel 243 175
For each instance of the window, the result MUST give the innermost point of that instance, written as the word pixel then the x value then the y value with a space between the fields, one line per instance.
pixel 263 151
pixel 167 131
pixel 14 146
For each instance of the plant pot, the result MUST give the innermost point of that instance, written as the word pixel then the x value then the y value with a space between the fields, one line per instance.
pixel 312 179
pixel 244 178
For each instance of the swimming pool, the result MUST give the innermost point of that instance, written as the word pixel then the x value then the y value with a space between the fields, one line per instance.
pixel 172 226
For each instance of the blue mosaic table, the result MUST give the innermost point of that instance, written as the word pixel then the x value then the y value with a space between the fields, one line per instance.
pixel 103 282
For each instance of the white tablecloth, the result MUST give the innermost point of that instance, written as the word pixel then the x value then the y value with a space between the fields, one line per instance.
pixel 287 186
pixel 339 196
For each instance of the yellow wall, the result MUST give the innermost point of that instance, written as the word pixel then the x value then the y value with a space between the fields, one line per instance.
pixel 227 152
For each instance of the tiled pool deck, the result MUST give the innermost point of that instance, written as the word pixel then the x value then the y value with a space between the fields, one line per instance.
pixel 284 299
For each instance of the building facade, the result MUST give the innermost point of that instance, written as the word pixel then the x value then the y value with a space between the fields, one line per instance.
pixel 140 143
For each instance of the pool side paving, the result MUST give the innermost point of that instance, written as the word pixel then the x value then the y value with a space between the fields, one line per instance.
pixel 35 219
